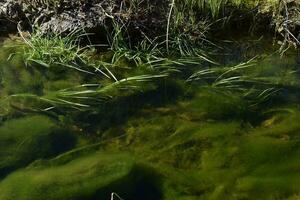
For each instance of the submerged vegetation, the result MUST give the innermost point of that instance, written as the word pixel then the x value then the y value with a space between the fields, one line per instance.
pixel 190 112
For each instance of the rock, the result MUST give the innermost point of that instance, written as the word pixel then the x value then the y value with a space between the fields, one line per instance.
pixel 11 9
pixel 10 14
pixel 60 17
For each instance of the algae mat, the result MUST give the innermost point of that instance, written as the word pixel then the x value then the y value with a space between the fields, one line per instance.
pixel 93 176
pixel 27 139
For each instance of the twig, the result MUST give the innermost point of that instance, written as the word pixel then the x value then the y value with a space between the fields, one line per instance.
pixel 113 195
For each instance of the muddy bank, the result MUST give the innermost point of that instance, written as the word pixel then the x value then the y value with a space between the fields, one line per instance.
pixel 93 15
pixel 146 17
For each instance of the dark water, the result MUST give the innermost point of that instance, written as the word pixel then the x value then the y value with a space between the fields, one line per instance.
pixel 201 139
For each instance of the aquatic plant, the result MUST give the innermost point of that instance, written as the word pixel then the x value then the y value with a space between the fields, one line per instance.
pixel 238 78
pixel 85 96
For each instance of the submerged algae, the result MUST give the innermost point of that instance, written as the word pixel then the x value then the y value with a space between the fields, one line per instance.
pixel 94 176
pixel 219 160
pixel 27 139
pixel 194 159
pixel 209 158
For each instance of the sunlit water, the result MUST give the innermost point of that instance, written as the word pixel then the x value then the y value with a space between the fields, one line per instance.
pixel 181 140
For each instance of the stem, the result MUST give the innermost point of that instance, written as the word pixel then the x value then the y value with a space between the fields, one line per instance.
pixel 168 24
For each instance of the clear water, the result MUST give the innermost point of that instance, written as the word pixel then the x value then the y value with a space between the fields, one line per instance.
pixel 178 140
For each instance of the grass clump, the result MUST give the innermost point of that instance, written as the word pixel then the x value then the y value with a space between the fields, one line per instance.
pixel 58 50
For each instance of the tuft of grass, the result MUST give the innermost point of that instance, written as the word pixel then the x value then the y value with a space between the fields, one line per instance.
pixel 58 50
pixel 212 6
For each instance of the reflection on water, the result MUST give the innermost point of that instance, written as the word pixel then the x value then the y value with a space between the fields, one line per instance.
pixel 203 139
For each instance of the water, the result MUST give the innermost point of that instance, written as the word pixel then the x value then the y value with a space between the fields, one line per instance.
pixel 175 140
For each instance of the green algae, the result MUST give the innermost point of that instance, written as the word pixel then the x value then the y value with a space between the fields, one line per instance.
pixel 172 141
pixel 94 176
pixel 27 139
pixel 213 104
pixel 215 160
pixel 196 159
